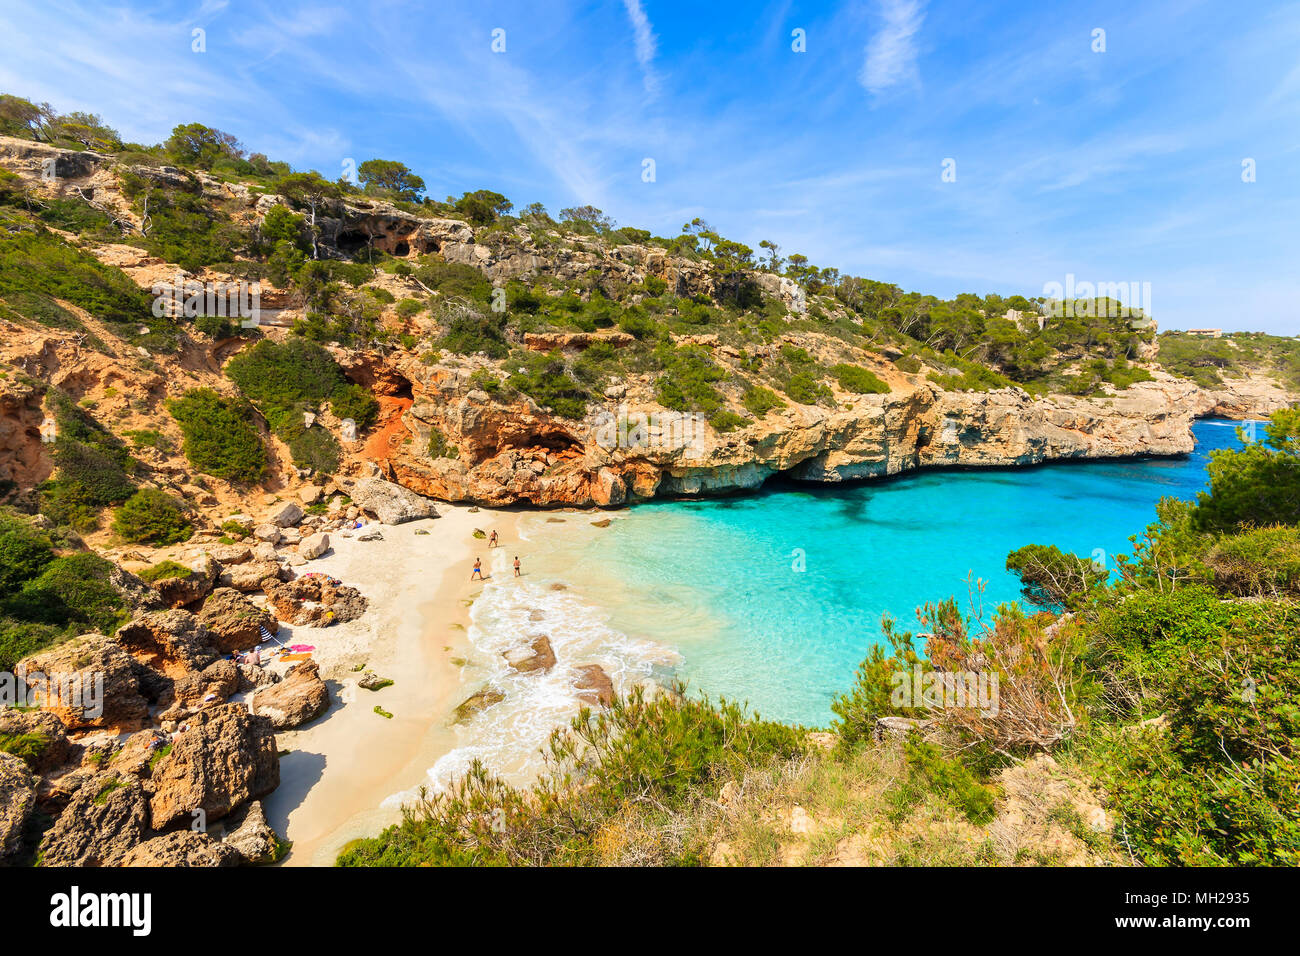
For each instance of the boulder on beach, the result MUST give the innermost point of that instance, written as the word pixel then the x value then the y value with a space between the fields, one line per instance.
pixel 184 848
pixel 105 819
pixel 225 757
pixel 249 577
pixel 297 699
pixel 234 622
pixel 313 546
pixel 389 502
pixel 249 835
pixel 286 515
pixel 315 600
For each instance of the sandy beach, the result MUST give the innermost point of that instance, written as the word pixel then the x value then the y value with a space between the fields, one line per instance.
pixel 337 771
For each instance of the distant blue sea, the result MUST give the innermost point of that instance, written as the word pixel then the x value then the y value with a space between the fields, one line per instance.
pixel 718 580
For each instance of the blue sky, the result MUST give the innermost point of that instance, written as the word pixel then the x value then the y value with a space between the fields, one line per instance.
pixel 1122 165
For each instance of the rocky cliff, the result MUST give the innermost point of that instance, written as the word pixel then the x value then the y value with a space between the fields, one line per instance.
pixel 632 449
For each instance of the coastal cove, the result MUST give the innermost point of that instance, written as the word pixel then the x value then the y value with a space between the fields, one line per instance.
pixel 774 597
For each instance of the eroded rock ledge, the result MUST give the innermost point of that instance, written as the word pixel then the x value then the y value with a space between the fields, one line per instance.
pixel 518 453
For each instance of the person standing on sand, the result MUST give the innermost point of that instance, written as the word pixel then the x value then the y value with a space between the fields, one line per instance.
pixel 492 541
pixel 478 570
pixel 516 565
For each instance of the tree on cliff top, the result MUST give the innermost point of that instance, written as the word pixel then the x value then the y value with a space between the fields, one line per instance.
pixel 389 176
pixel 193 144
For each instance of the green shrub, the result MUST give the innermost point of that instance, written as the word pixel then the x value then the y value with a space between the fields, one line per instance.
pixel 409 308
pixel 91 467
pixel 546 380
pixel 20 638
pixel 949 777
pixel 152 516
pixel 219 436
pixel 24 553
pixel 165 570
pixel 758 401
pixel 659 754
pixel 236 529
pixel 74 589
pixel 26 747
pixel 805 389
pixel 454 279
pixel 469 333
pixel 38 261
pixel 726 421
pixel 286 380
pixel 1216 788
pixel 439 447
pixel 314 448
pixel 854 378
pixel 354 402
pixel 686 384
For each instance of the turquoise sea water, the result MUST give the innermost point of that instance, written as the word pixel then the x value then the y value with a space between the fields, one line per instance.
pixel 719 582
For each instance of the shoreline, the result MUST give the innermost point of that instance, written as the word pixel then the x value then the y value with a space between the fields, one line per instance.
pixel 338 771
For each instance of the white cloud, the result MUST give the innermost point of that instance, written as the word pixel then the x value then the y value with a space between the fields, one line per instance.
pixel 891 54
pixel 646 43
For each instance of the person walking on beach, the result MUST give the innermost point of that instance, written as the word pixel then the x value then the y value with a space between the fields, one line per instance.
pixel 492 541
pixel 478 570
pixel 516 565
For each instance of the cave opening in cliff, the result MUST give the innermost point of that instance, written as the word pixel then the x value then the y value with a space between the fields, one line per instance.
pixel 352 241
pixel 402 248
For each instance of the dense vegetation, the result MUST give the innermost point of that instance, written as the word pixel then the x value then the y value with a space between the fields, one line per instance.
pixel 220 437
pixel 45 597
pixel 290 383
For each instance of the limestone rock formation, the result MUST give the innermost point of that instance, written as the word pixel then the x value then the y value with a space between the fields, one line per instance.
pixel 190 589
pixel 17 803
pixel 183 848
pixel 234 622
pixel 225 757
pixel 193 692
pixel 172 643
pixel 315 600
pixel 300 697
pixel 251 836
pixel 105 819
pixel 86 661
pixel 249 577
pixel 389 502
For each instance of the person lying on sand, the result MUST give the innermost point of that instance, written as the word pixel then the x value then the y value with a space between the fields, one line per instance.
pixel 478 570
